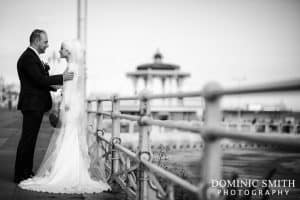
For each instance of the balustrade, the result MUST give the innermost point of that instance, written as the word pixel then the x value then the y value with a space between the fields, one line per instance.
pixel 136 173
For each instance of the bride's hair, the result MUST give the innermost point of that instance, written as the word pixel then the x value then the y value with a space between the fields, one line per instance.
pixel 76 51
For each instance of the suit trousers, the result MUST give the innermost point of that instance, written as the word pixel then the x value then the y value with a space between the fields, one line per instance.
pixel 30 128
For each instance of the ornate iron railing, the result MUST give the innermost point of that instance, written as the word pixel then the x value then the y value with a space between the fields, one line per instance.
pixel 136 173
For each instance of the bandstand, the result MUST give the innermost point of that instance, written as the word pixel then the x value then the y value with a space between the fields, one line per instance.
pixel 159 77
pixel 169 75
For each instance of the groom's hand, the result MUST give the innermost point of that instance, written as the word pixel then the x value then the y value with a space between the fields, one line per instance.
pixel 67 76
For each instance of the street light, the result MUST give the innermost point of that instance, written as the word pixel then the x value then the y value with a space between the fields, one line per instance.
pixel 82 30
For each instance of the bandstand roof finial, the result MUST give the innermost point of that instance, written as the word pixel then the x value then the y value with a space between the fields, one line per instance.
pixel 158 56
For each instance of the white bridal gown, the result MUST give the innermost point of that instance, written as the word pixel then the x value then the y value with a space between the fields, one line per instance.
pixel 65 167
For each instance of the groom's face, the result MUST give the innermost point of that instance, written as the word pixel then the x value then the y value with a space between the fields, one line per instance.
pixel 43 43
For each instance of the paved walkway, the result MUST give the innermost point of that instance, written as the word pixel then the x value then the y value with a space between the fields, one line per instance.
pixel 10 124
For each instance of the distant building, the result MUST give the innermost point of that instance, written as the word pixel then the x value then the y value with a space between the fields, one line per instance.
pixel 2 89
pixel 170 80
pixel 8 94
pixel 169 75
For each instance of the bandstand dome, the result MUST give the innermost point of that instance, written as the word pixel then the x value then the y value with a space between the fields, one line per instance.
pixel 157 64
pixel 169 76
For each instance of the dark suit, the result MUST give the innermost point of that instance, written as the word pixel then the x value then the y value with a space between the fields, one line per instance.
pixel 34 101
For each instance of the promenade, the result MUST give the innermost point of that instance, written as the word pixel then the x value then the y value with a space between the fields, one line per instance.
pixel 10 126
pixel 246 163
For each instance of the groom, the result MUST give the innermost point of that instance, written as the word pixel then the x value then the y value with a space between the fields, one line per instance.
pixel 34 99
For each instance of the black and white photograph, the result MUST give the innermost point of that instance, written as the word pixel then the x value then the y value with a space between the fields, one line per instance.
pixel 150 99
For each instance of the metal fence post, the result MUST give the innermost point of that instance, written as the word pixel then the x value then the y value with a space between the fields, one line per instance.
pixel 89 115
pixel 115 134
pixel 212 155
pixel 99 116
pixel 144 150
pixel 99 126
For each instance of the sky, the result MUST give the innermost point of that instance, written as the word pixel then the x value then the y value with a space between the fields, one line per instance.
pixel 234 42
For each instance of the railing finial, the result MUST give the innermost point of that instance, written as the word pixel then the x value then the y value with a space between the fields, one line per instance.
pixel 211 91
pixel 114 97
pixel 144 95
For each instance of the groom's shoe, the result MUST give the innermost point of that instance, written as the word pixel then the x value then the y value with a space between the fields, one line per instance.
pixel 17 180
pixel 29 175
pixel 32 174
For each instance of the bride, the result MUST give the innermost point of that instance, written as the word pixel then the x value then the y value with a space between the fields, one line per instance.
pixel 65 167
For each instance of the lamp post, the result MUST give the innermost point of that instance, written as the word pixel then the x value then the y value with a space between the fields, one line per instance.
pixel 82 29
pixel 81 21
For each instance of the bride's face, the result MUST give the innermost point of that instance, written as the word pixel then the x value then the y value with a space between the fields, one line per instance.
pixel 64 52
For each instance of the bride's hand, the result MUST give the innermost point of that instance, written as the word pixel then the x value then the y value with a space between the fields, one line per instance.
pixel 66 70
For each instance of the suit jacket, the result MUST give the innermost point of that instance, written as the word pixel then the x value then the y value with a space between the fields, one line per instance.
pixel 35 83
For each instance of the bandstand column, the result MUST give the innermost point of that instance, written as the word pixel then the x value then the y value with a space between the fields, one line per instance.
pixel 179 81
pixel 135 82
pixel 163 87
pixel 149 80
pixel 145 82
pixel 171 88
pixel 150 83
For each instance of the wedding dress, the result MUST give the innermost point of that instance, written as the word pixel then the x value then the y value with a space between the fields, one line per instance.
pixel 65 167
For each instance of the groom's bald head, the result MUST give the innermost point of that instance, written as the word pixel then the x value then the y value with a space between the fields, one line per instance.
pixel 38 39
pixel 36 35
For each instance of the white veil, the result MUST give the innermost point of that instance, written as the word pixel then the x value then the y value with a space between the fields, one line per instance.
pixel 73 96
